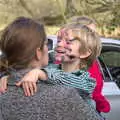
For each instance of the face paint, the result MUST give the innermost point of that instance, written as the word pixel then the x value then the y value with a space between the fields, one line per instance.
pixel 60 48
pixel 73 46
pixel 67 48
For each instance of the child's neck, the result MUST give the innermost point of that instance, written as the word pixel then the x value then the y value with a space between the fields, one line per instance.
pixel 70 67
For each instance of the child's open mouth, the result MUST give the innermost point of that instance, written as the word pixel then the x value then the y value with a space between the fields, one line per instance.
pixel 60 52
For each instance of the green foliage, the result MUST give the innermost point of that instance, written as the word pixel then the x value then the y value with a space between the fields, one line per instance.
pixel 57 12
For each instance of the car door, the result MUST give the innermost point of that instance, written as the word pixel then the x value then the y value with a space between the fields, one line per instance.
pixel 110 66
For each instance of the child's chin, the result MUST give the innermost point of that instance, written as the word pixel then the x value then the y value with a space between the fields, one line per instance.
pixel 59 59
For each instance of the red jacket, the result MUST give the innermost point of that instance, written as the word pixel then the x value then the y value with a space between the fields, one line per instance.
pixel 102 104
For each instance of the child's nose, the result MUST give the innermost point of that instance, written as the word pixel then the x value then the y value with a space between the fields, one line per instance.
pixel 62 43
pixel 67 47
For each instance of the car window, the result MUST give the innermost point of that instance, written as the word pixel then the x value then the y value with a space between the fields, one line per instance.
pixel 111 66
pixel 111 59
pixel 50 44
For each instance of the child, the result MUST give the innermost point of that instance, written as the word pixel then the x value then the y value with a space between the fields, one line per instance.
pixel 102 104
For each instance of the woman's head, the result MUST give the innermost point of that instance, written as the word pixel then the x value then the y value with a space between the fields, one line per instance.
pixel 82 43
pixel 23 41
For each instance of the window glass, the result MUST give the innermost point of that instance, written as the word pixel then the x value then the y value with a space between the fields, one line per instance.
pixel 111 58
pixel 112 65
pixel 50 44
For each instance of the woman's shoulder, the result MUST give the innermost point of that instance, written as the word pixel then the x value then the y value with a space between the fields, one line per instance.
pixel 51 98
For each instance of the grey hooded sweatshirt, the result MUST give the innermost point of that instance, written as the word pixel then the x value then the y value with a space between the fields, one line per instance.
pixel 51 102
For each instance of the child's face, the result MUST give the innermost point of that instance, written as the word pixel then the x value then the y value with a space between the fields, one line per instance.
pixel 67 47
pixel 61 45
pixel 72 48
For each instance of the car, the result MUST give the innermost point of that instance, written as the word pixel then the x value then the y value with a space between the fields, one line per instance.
pixel 109 64
pixel 110 67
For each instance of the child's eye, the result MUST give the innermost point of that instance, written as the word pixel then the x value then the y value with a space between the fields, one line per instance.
pixel 69 41
pixel 59 39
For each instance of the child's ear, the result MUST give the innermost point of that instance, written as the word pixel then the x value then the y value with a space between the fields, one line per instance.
pixel 38 54
pixel 85 54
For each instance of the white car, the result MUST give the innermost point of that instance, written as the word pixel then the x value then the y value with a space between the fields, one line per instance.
pixel 110 66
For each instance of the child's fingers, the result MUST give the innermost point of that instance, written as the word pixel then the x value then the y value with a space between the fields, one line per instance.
pixel 1 90
pixel 26 89
pixel 31 88
pixel 3 84
pixel 35 87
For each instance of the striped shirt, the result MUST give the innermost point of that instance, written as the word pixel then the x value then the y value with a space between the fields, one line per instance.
pixel 78 79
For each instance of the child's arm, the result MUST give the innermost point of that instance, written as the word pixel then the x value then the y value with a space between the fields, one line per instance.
pixel 28 82
pixel 80 80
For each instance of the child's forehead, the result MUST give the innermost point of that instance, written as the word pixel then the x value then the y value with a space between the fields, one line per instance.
pixel 65 32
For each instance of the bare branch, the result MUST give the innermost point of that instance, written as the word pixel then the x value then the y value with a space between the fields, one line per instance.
pixel 25 6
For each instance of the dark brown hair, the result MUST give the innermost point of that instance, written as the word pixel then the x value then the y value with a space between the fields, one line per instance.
pixel 20 40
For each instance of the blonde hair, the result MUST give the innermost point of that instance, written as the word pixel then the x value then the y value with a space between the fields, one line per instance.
pixel 89 40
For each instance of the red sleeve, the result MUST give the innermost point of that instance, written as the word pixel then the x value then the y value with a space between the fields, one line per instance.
pixel 102 104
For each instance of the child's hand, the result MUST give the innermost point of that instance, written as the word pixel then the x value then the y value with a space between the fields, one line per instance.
pixel 29 87
pixel 3 84
pixel 28 82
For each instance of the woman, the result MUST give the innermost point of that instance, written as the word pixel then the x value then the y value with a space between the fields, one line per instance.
pixel 24 46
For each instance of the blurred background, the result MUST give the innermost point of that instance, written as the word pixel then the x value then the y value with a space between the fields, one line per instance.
pixel 57 12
